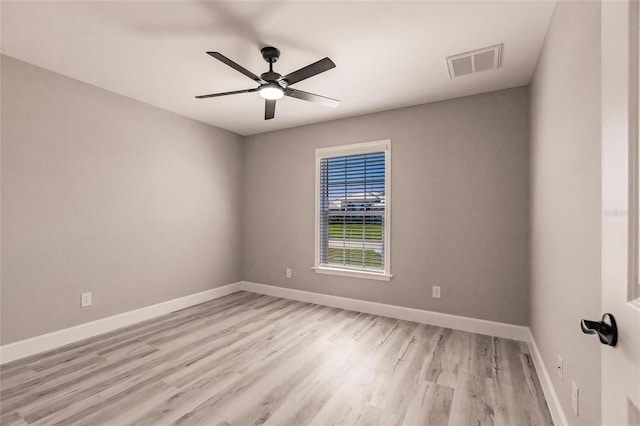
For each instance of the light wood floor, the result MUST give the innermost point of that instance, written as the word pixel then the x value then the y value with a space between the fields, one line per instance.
pixel 251 359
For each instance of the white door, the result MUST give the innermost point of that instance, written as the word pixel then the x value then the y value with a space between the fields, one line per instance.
pixel 620 191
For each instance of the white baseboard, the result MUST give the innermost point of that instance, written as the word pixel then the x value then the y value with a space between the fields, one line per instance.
pixel 473 325
pixel 45 342
pixel 557 413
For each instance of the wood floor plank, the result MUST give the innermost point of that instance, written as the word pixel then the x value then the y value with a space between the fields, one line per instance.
pixel 237 348
pixel 404 382
pixel 368 381
pixel 315 390
pixel 431 405
pixel 236 355
pixel 291 356
pixel 254 359
pixel 12 419
pixel 470 405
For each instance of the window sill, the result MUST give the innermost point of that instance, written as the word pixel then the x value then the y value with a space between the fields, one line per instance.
pixel 352 273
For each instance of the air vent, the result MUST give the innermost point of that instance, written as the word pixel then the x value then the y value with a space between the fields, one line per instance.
pixel 475 61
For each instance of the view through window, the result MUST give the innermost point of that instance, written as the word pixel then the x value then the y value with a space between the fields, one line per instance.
pixel 352 209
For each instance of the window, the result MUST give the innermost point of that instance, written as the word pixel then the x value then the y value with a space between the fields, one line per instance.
pixel 353 210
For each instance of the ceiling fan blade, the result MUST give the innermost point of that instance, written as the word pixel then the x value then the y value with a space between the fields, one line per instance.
pixel 235 66
pixel 306 96
pixel 269 109
pixel 309 71
pixel 235 92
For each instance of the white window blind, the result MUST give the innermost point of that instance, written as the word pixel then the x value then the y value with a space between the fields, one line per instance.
pixel 352 208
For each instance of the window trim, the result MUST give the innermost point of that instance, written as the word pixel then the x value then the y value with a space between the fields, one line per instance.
pixel 342 151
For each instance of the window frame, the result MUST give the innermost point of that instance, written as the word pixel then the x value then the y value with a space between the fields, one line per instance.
pixel 342 151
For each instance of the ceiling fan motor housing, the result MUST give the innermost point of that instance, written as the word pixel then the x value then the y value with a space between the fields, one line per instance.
pixel 270 76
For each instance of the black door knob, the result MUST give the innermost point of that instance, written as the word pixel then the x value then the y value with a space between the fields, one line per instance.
pixel 606 329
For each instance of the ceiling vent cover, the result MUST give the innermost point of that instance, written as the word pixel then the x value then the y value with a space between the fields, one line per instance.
pixel 475 61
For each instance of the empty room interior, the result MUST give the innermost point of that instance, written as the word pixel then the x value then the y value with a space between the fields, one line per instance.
pixel 320 213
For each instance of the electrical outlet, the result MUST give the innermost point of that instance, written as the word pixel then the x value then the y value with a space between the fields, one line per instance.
pixel 85 300
pixel 575 397
pixel 435 291
pixel 288 272
pixel 560 368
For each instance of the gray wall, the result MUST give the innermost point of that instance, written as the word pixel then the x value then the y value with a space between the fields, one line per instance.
pixel 566 202
pixel 460 208
pixel 105 194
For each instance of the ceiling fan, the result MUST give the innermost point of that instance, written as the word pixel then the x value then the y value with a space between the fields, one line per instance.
pixel 273 86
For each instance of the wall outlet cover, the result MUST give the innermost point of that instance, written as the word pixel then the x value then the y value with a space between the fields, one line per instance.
pixel 575 398
pixel 435 292
pixel 85 300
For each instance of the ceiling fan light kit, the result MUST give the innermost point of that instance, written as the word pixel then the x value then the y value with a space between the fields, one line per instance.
pixel 273 86
pixel 271 91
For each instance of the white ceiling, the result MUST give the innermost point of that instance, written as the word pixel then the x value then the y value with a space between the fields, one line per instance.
pixel 389 54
